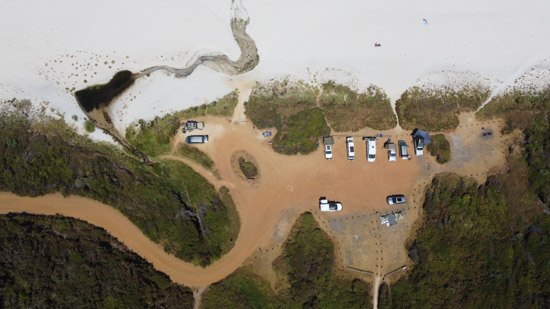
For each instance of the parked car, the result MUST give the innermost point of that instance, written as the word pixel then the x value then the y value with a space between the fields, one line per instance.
pixel 351 148
pixel 371 148
pixel 328 141
pixel 392 150
pixel 419 146
pixel 326 205
pixel 328 152
pixel 196 139
pixel 403 150
pixel 396 199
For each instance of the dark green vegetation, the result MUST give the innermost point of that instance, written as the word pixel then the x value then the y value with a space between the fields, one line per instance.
pixel 440 148
pixel 168 201
pixel 89 126
pixel 531 114
pixel 436 110
pixel 347 110
pixel 306 267
pixel 58 262
pixel 153 137
pixel 298 112
pixel 474 251
pixel 196 155
pixel 248 168
pixel 97 96
pixel 487 246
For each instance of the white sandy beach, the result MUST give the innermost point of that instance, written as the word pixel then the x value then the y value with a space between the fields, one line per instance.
pixel 49 48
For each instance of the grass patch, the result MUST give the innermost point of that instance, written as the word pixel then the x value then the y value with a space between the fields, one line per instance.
pixel 153 137
pixel 248 168
pixel 515 101
pixel 242 289
pixel 196 155
pixel 89 126
pixel 440 148
pixel 347 110
pixel 97 96
pixel 78 266
pixel 301 133
pixel 166 200
pixel 307 264
pixel 436 110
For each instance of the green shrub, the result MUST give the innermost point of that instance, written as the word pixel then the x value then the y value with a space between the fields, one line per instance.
pixel 248 168
pixel 440 148
pixel 89 126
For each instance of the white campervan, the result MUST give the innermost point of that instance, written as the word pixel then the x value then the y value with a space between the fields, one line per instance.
pixel 371 149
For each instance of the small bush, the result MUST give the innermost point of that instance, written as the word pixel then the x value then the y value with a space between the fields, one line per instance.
pixel 440 148
pixel 248 168
pixel 89 126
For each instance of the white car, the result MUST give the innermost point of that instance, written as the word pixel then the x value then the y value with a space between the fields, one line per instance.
pixel 328 152
pixel 419 146
pixel 326 205
pixel 371 149
pixel 351 148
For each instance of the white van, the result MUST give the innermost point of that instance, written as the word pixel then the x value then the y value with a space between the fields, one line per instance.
pixel 351 148
pixel 196 139
pixel 371 149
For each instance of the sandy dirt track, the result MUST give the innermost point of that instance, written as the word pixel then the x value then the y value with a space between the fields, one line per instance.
pixel 289 186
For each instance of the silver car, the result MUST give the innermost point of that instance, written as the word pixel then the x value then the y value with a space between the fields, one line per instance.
pixel 396 199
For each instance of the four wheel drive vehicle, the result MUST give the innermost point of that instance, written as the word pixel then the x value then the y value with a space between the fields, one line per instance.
pixel 351 148
pixel 196 139
pixel 326 205
pixel 403 150
pixel 191 125
pixel 419 146
pixel 328 152
pixel 396 199
pixel 371 148
pixel 392 150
